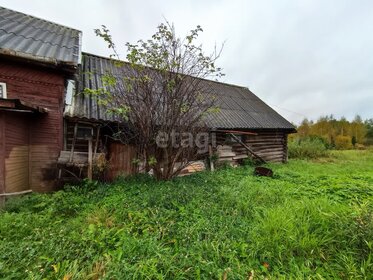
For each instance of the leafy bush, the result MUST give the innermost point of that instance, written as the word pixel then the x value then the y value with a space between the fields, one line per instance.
pixel 343 142
pixel 307 148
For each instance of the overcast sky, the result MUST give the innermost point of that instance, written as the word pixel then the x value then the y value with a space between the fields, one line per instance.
pixel 304 58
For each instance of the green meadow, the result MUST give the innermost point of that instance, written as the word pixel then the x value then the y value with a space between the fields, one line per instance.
pixel 312 220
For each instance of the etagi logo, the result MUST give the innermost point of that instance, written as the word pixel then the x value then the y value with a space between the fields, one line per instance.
pixel 177 140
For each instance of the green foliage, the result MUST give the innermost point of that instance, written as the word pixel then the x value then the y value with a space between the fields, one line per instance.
pixel 329 128
pixel 249 162
pixel 312 220
pixel 159 92
pixel 369 134
pixel 310 147
pixel 353 140
pixel 343 142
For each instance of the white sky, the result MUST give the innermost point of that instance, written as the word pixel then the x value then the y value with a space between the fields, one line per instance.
pixel 305 58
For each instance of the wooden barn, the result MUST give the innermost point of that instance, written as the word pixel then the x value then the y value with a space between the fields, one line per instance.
pixel 244 127
pixel 49 129
pixel 37 60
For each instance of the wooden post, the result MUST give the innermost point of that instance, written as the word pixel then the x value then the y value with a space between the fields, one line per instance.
pixel 90 159
pixel 97 139
pixel 73 143
pixel 212 168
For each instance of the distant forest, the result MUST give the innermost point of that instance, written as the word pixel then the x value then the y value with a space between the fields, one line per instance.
pixel 338 134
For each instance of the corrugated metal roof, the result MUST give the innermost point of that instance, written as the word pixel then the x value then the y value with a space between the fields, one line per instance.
pixel 238 106
pixel 28 36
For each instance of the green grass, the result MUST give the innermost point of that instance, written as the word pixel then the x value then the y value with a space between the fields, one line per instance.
pixel 313 220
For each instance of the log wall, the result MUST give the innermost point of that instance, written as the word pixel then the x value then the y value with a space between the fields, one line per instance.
pixel 269 145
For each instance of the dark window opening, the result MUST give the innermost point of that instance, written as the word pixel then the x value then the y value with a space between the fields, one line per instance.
pixel 84 133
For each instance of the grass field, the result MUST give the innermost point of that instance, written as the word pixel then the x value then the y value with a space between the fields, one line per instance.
pixel 313 220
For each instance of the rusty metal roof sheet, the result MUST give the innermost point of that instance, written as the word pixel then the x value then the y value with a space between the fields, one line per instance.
pixel 34 38
pixel 239 107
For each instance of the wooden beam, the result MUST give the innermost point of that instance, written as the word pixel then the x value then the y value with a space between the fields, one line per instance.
pixel 97 139
pixel 73 144
pixel 212 168
pixel 90 159
pixel 237 132
pixel 15 193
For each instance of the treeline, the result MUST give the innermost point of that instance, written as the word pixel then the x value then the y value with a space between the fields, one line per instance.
pixel 337 134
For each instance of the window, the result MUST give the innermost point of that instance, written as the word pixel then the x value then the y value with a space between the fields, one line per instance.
pixel 84 133
pixel 2 90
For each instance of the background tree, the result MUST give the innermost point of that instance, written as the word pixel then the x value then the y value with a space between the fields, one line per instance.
pixel 340 134
pixel 369 131
pixel 161 93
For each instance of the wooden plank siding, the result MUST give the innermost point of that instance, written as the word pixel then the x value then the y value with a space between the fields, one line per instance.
pixel 45 88
pixel 2 153
pixel 16 152
pixel 121 160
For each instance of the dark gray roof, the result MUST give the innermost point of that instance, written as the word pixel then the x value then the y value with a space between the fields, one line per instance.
pixel 30 37
pixel 239 107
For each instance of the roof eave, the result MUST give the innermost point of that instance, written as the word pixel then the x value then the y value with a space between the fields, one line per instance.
pixel 68 66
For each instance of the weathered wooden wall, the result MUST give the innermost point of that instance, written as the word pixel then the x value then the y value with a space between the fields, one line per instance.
pixel 44 88
pixel 121 160
pixel 16 152
pixel 2 153
pixel 81 145
pixel 269 145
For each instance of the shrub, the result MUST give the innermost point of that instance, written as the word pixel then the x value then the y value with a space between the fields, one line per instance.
pixel 343 142
pixel 307 148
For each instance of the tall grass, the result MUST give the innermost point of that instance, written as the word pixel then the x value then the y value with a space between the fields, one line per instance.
pixel 307 148
pixel 307 222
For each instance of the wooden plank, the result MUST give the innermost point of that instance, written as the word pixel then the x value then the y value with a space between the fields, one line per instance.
pixel 90 153
pixel 237 132
pixel 212 167
pixel 121 160
pixel 79 157
pixel 240 157
pixel 226 154
pixel 74 139
pixel 248 148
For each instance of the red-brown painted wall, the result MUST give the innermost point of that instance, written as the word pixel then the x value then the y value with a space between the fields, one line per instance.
pixel 2 153
pixel 42 87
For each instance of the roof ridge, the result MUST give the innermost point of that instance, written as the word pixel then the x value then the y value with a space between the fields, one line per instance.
pixel 41 19
pixel 218 82
pixel 42 29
